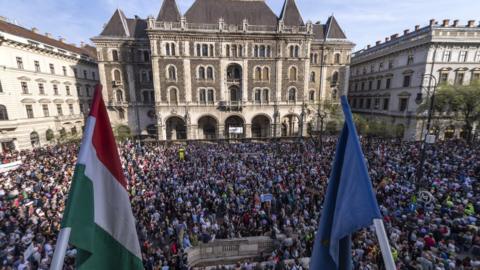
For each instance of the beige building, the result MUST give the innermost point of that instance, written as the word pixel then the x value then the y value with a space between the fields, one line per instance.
pixel 387 80
pixel 45 86
pixel 225 68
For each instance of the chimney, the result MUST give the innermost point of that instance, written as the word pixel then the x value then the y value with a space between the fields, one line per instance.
pixel 471 23
pixel 432 22
pixel 34 30
pixel 378 42
pixel 455 23
pixel 406 31
pixel 417 27
pixel 394 36
pixel 445 22
pixel 48 35
pixel 368 46
pixel 387 39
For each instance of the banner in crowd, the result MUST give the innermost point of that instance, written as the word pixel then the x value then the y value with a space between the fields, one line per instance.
pixel 10 166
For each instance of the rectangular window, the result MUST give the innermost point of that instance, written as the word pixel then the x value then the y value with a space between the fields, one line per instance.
pixel 258 96
pixel 446 56
pixel 370 85
pixel 67 90
pixel 210 96
pixel 37 66
pixel 386 101
pixel 360 105
pixel 410 60
pixel 380 66
pixel 362 87
pixel 477 57
pixel 462 57
pixel 87 90
pixel 81 107
pixel 64 69
pixel 379 84
pixel 387 84
pixel 444 77
pixel 203 96
pixel 205 50
pixel 356 86
pixel 390 64
pixel 406 80
pixel 46 112
pixel 475 77
pixel 29 110
pixel 70 109
pixel 41 89
pixel 354 103
pixel 94 75
pixel 59 110
pixel 84 74
pixel 369 103
pixel 376 104
pixel 459 78
pixel 403 104
pixel 75 72
pixel 24 87
pixel 19 63
pixel 52 69
pixel 55 90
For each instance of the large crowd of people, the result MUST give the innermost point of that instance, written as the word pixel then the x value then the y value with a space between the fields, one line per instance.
pixel 232 190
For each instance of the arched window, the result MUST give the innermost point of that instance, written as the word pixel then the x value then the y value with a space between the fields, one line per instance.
pixel 210 73
pixel 173 96
pixel 117 76
pixel 262 51
pixel 266 74
pixel 297 51
pixel 334 78
pixel 201 73
pixel 3 113
pixel 228 50
pixel 240 51
pixel 311 95
pixel 258 96
pixel 49 135
pixel 114 55
pixel 265 96
pixel 167 49
pixel 211 50
pixel 203 96
pixel 292 94
pixel 173 49
pixel 315 58
pixel 255 51
pixel 292 75
pixel 312 77
pixel 210 96
pixel 172 73
pixel 337 58
pixel 269 51
pixel 34 139
pixel 258 73
pixel 199 50
pixel 119 95
pixel 292 51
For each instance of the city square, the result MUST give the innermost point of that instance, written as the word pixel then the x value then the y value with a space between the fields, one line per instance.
pixel 227 119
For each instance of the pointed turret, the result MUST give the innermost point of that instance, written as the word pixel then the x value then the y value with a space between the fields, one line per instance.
pixel 117 25
pixel 333 29
pixel 169 12
pixel 290 14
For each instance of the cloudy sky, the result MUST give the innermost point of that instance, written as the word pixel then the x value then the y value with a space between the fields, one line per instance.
pixel 364 21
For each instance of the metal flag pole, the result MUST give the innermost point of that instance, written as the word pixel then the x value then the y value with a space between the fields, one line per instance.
pixel 384 245
pixel 60 249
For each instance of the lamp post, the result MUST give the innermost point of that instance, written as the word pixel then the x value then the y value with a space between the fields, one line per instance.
pixel 429 120
pixel 320 118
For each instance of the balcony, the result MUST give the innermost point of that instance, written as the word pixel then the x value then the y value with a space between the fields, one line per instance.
pixel 230 106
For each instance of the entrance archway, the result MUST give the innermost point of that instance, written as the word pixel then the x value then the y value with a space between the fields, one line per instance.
pixel 234 127
pixel 34 139
pixel 290 125
pixel 207 127
pixel 261 127
pixel 176 128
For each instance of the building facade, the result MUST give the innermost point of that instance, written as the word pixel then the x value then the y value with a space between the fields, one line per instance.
pixel 388 82
pixel 225 68
pixel 45 87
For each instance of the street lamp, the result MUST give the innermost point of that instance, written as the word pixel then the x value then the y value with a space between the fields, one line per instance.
pixel 429 120
pixel 321 117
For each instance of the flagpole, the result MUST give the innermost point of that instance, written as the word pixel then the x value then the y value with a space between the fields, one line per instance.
pixel 384 245
pixel 60 249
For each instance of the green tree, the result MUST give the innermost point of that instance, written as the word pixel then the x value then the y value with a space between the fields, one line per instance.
pixel 461 102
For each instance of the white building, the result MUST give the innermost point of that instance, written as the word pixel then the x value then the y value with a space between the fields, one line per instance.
pixel 386 79
pixel 45 86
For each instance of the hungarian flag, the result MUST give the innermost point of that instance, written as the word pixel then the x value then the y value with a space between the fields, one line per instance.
pixel 98 209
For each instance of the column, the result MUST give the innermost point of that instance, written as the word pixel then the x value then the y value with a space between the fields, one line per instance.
pixel 248 130
pixel 223 83
pixel 187 80
pixel 278 76
pixel 245 81
pixel 221 131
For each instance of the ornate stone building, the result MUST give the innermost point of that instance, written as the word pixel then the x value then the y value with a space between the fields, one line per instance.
pixel 387 80
pixel 46 85
pixel 225 68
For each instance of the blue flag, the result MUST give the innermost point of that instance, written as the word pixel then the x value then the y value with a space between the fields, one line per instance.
pixel 349 205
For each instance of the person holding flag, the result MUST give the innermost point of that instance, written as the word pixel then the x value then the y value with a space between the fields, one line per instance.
pixel 98 218
pixel 349 205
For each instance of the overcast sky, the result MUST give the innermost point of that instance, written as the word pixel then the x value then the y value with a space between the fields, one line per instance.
pixel 364 21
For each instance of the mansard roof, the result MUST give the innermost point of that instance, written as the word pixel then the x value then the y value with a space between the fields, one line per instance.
pixel 257 12
pixel 333 29
pixel 120 26
pixel 290 14
pixel 169 12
